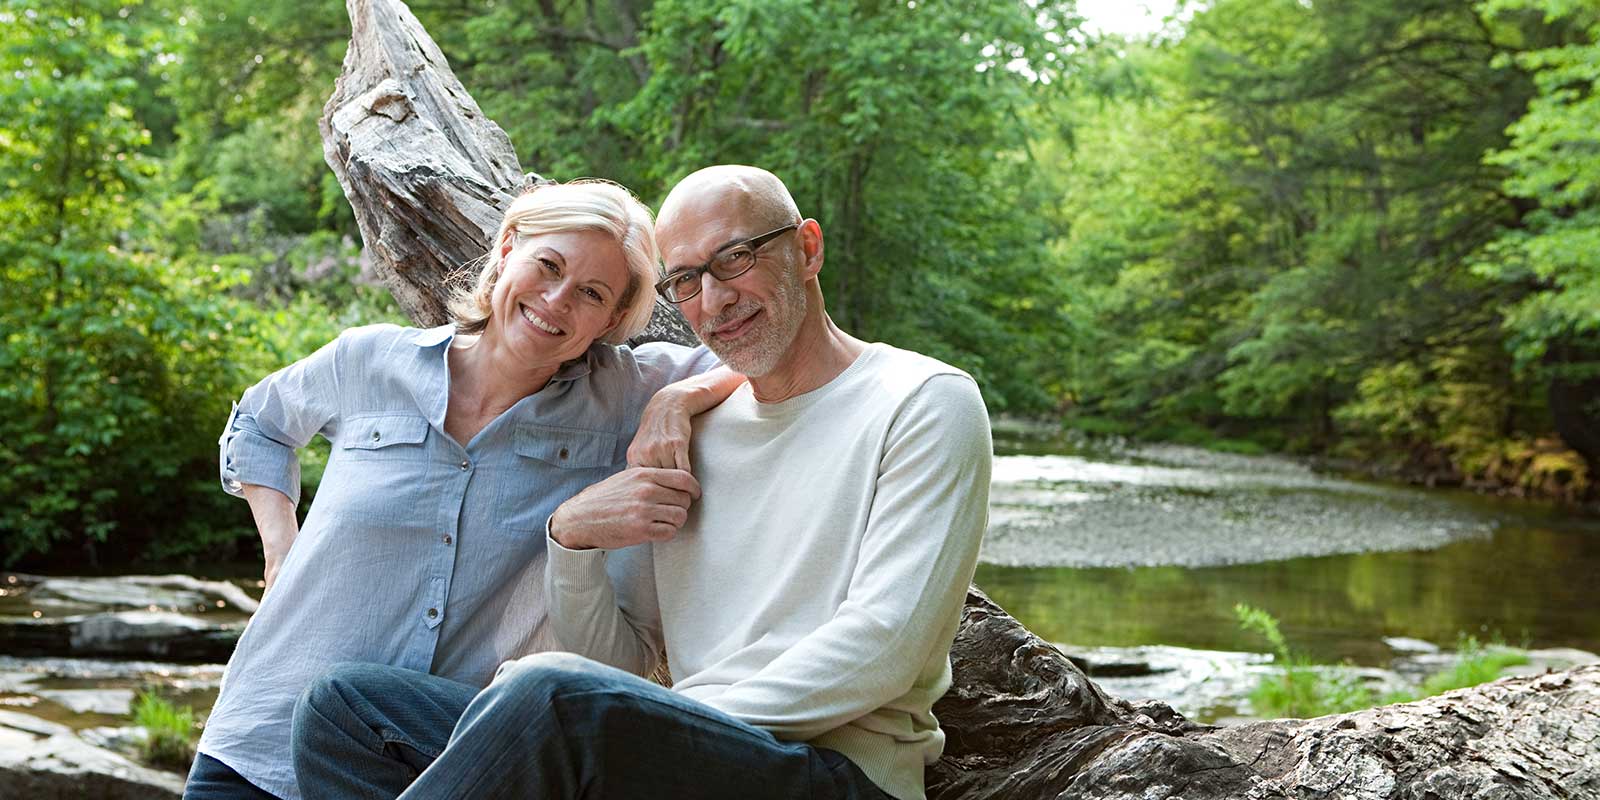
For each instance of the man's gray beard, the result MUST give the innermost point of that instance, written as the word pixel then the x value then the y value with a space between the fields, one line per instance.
pixel 759 351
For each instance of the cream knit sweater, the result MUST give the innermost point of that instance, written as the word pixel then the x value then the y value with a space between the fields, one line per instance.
pixel 817 584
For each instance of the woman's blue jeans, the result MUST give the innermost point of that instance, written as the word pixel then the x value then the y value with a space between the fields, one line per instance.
pixel 210 779
pixel 550 726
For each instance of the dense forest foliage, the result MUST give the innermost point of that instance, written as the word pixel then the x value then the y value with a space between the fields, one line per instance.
pixel 1359 228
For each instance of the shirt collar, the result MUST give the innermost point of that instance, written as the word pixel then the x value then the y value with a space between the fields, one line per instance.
pixel 578 367
pixel 571 370
pixel 428 337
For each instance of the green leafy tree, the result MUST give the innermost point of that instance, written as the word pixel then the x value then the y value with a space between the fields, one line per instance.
pixel 1277 237
pixel 904 130
pixel 1553 254
pixel 110 360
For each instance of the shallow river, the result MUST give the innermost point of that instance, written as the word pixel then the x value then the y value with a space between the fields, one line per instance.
pixel 1144 545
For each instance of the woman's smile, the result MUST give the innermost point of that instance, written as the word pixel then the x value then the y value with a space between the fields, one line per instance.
pixel 539 322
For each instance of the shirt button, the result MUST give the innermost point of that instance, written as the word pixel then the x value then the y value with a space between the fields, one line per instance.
pixel 447 539
pixel 376 436
pixel 465 465
pixel 433 612
pixel 563 453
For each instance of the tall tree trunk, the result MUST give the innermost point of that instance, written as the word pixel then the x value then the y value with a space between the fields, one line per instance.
pixel 1574 397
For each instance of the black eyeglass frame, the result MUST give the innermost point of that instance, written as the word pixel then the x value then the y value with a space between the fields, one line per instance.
pixel 754 244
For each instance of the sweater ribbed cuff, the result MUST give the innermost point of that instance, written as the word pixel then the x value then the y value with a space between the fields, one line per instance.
pixel 574 570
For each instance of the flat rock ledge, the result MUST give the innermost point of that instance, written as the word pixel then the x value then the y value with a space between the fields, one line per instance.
pixel 121 634
pixel 1022 721
pixel 43 760
pixel 170 617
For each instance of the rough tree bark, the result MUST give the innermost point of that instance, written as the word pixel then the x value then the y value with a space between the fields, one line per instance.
pixel 1024 722
pixel 427 174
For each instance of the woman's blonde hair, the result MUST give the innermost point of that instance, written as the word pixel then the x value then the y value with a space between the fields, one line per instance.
pixel 582 205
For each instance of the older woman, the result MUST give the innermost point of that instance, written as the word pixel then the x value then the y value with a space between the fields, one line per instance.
pixel 425 545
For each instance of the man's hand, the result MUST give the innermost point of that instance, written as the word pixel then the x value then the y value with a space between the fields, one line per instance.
pixel 640 504
pixel 664 431
pixel 665 428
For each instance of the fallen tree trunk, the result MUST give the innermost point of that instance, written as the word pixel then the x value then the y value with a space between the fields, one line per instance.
pixel 1024 722
pixel 428 174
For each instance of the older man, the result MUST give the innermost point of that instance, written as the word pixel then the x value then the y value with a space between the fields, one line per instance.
pixel 807 599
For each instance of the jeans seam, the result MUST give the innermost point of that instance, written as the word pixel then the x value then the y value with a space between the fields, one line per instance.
pixel 495 769
pixel 409 743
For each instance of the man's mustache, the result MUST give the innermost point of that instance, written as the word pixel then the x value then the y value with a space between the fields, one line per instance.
pixel 742 309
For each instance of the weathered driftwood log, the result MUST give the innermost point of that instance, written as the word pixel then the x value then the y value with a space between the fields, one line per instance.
pixel 1024 722
pixel 427 174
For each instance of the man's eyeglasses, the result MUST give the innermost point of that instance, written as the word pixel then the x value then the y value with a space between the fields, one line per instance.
pixel 726 264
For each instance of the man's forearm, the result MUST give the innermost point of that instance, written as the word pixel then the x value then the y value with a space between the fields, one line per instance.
pixel 588 615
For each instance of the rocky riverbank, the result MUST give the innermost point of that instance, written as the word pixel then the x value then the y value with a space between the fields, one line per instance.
pixel 78 650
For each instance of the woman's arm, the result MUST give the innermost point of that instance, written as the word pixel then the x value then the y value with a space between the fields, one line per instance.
pixel 275 520
pixel 272 420
pixel 665 428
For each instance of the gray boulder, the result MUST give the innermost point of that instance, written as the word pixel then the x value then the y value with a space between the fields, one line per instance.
pixel 171 617
pixel 44 760
pixel 128 634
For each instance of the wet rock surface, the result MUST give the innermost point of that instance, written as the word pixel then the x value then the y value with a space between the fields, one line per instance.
pixel 65 725
pixel 173 617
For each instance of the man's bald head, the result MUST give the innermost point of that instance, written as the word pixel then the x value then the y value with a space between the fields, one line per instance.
pixel 753 196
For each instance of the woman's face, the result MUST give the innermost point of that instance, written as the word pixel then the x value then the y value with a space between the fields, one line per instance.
pixel 557 293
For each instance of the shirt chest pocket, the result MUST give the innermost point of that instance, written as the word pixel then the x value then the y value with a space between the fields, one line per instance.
pixel 384 436
pixel 566 448
pixel 551 465
pixel 380 477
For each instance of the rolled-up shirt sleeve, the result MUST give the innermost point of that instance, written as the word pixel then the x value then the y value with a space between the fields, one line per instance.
pixel 275 418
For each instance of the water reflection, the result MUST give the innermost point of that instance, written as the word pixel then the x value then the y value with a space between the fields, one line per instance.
pixel 1533 586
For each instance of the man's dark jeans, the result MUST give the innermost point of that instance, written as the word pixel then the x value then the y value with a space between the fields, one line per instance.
pixel 549 726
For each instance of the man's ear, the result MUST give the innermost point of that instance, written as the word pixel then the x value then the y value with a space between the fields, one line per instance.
pixel 810 233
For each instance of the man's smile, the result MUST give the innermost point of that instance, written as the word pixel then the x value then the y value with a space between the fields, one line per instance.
pixel 736 328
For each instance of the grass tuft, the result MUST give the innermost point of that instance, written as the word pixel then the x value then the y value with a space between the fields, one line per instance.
pixel 1300 688
pixel 169 731
pixel 1475 663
